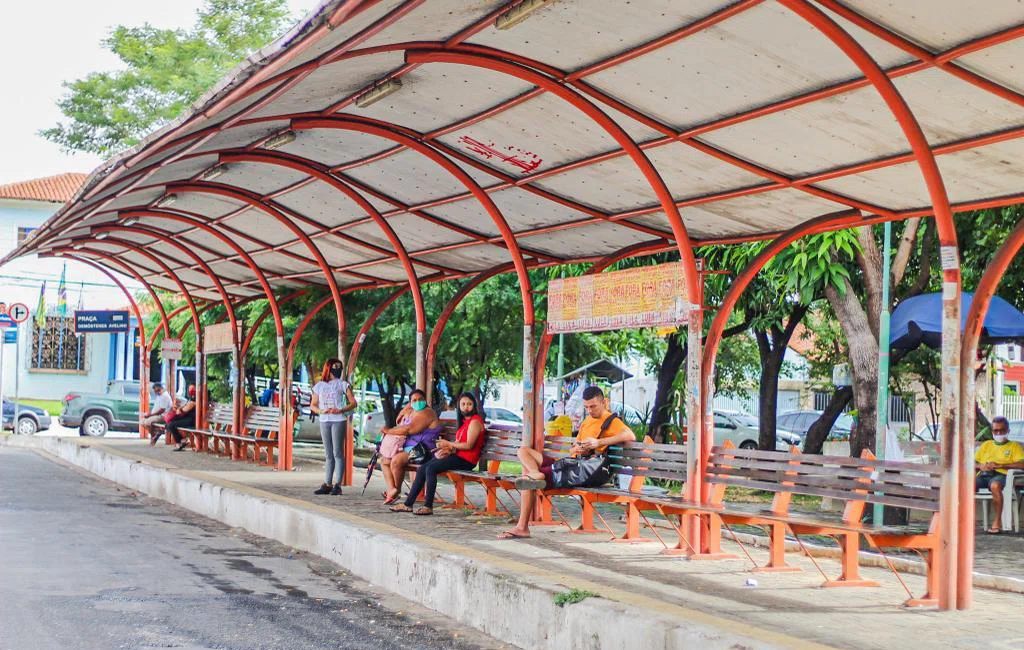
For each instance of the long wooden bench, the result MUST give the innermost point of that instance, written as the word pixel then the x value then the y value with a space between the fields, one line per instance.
pixel 219 420
pixel 259 434
pixel 855 481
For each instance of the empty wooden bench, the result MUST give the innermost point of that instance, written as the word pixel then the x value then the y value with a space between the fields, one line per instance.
pixel 259 434
pixel 855 481
pixel 219 420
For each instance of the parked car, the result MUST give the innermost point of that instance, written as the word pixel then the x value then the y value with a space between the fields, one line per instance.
pixel 743 430
pixel 30 418
pixel 116 408
pixel 495 417
pixel 800 422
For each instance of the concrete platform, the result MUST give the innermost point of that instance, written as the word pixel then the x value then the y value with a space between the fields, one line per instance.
pixel 452 563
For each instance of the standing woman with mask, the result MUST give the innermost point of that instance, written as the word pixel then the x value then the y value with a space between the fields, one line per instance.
pixel 463 454
pixel 332 400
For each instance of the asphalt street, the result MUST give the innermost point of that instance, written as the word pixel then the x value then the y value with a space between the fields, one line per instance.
pixel 87 564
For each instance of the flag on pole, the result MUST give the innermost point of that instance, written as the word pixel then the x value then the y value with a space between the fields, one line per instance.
pixel 40 324
pixel 41 308
pixel 62 294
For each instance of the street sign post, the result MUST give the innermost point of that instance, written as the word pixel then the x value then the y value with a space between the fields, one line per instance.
pixel 170 349
pixel 101 321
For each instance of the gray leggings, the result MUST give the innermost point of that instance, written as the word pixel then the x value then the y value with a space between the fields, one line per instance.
pixel 332 433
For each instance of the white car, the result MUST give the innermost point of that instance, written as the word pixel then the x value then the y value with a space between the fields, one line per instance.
pixel 496 418
pixel 743 430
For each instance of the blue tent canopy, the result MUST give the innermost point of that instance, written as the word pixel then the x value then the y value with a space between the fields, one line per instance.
pixel 918 320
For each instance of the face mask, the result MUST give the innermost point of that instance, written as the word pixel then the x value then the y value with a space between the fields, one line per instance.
pixel 336 371
pixel 1000 439
pixel 419 406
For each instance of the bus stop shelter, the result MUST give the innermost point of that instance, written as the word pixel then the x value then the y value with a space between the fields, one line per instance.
pixel 398 142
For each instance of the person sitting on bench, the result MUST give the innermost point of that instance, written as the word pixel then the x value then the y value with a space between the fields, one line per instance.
pixel 184 416
pixel 599 425
pixel 994 457
pixel 417 423
pixel 161 404
pixel 463 454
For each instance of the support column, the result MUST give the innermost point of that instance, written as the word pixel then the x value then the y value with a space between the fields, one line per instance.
pixel 237 406
pixel 697 447
pixel 529 386
pixel 284 438
pixel 949 499
pixel 968 354
pixel 202 406
pixel 421 361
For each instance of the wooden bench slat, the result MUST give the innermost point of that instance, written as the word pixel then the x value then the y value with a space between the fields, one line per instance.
pixel 828 482
pixel 720 453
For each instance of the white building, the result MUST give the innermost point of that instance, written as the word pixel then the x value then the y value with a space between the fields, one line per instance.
pixel 66 362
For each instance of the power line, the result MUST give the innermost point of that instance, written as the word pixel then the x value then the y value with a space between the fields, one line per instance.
pixel 39 280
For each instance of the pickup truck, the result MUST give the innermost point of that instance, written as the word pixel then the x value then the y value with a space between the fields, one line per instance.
pixel 96 413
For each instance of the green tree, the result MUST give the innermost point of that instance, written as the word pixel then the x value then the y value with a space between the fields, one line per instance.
pixel 166 70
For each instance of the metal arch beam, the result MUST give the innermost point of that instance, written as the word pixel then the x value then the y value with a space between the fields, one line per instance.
pixel 949 575
pixel 144 351
pixel 220 189
pixel 446 314
pixel 201 359
pixel 357 344
pixel 134 247
pixel 251 334
pixel 660 188
pixel 284 455
pixel 983 294
pixel 372 128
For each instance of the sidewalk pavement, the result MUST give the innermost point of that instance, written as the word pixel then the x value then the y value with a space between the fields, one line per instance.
pixel 453 563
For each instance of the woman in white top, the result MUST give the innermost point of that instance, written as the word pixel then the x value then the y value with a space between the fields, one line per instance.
pixel 332 400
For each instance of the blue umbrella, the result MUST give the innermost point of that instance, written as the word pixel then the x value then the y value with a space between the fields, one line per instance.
pixel 918 320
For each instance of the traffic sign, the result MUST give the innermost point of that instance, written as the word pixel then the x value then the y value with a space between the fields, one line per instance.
pixel 6 321
pixel 18 312
pixel 10 336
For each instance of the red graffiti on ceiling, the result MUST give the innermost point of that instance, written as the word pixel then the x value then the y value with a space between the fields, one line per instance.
pixel 526 161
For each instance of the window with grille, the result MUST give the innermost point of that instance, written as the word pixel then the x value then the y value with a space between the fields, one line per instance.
pixel 23 233
pixel 56 348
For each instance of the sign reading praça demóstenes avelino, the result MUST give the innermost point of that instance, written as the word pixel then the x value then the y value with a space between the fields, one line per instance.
pixel 101 321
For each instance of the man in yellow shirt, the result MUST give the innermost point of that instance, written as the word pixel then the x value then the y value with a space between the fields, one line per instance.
pixel 993 458
pixel 596 434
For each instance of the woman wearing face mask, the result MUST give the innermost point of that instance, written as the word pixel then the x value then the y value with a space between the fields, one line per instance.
pixel 416 423
pixel 463 454
pixel 332 400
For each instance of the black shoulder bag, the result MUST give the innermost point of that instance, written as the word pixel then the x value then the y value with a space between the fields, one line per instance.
pixel 591 471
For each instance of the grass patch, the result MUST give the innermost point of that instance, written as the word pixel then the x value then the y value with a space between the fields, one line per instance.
pixel 574 596
pixel 748 495
pixel 52 406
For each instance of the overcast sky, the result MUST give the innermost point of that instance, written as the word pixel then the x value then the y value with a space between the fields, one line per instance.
pixel 43 44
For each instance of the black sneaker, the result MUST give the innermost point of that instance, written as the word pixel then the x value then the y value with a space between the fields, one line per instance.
pixel 336 491
pixel 323 489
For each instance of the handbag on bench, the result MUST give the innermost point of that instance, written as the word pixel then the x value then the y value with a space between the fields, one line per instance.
pixel 590 471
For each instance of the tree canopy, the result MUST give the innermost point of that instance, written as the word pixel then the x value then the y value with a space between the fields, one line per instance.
pixel 165 71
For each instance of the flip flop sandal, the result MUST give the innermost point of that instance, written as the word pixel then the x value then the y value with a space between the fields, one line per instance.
pixel 423 511
pixel 401 507
pixel 389 500
pixel 993 532
pixel 510 534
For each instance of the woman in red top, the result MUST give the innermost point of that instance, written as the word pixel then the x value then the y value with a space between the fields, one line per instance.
pixel 463 454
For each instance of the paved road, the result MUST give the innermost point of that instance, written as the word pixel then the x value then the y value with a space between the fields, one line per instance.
pixel 87 565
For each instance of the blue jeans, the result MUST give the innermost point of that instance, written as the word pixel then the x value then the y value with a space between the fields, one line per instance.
pixel 332 433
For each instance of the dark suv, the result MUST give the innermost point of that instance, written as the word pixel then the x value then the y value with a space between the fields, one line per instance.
pixel 30 418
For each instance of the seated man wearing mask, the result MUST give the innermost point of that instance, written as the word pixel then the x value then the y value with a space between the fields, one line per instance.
pixel 993 458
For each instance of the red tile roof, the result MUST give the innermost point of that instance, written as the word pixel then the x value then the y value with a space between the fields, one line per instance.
pixel 54 189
